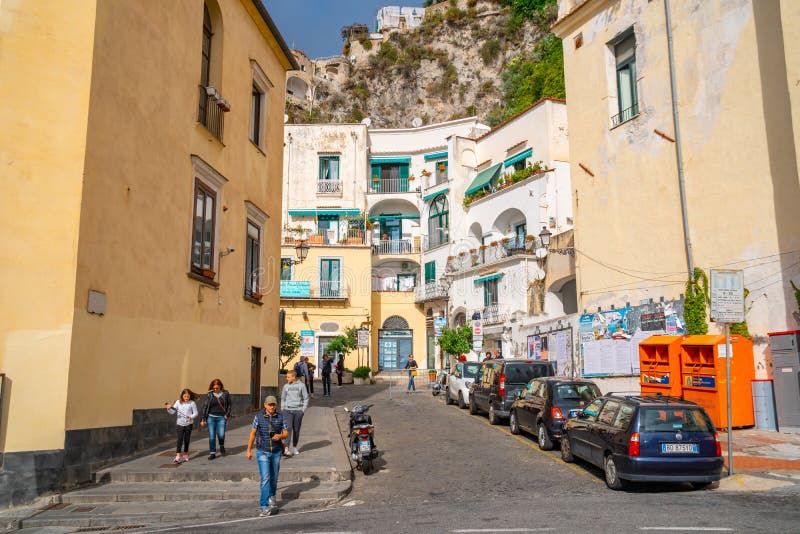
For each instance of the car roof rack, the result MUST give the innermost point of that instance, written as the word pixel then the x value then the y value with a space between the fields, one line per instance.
pixel 655 397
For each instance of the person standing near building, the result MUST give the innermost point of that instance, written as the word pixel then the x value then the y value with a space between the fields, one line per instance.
pixel 497 354
pixel 326 376
pixel 411 365
pixel 294 401
pixel 339 367
pixel 216 412
pixel 269 428
pixel 310 367
pixel 488 355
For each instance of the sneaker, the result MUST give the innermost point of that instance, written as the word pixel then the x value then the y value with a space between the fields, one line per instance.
pixel 286 452
pixel 177 459
pixel 295 452
pixel 264 511
pixel 185 458
pixel 222 450
pixel 273 501
pixel 212 456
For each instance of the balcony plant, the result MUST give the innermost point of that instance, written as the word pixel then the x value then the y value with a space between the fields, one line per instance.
pixel 425 173
pixel 208 273
pixel 256 295
pixel 361 374
pixel 494 243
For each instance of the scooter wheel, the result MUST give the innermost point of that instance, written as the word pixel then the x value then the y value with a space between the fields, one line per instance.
pixel 366 467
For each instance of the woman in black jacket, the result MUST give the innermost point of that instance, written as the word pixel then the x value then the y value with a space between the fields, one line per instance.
pixel 216 412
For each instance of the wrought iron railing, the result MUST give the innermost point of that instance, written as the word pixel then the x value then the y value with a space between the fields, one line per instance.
pixel 492 314
pixel 391 284
pixel 625 115
pixel 325 236
pixel 329 187
pixel 390 185
pixel 331 290
pixel 211 112
pixel 393 246
pixel 430 291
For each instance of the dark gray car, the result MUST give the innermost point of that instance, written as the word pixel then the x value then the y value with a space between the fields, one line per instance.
pixel 498 380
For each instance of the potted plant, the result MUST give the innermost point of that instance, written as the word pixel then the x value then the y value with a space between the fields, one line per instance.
pixel 425 173
pixel 431 374
pixel 361 375
pixel 315 240
pixel 208 273
pixel 256 295
pixel 483 247
pixel 505 240
pixel 493 243
pixel 462 254
pixel 411 178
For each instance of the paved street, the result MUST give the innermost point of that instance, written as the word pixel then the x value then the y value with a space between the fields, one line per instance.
pixel 443 470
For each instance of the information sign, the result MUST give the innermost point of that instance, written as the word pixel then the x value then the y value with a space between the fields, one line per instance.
pixel 363 337
pixel 727 296
pixel 306 343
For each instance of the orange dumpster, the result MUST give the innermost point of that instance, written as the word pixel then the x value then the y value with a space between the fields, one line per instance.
pixel 660 365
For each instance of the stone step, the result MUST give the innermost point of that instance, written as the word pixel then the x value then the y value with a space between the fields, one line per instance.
pixel 203 491
pixel 287 474
pixel 116 516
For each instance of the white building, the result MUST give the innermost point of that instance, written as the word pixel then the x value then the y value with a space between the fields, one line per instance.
pixel 398 18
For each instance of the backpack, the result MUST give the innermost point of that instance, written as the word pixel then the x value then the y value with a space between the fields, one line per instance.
pixel 298 368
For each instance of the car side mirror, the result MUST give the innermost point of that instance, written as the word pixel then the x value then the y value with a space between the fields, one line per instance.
pixel 517 394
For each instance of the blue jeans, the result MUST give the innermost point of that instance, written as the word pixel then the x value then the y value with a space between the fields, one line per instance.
pixel 269 463
pixel 216 429
pixel 411 385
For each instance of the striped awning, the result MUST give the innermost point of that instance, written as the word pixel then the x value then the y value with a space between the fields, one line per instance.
pixel 484 178
pixel 519 157
pixel 486 278
pixel 436 155
pixel 306 212
pixel 435 194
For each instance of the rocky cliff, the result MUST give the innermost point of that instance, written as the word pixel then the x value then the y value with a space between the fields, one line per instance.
pixel 489 58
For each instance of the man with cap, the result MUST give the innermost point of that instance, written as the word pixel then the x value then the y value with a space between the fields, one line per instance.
pixel 269 429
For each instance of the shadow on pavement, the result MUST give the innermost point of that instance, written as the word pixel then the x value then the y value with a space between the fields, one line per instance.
pixel 314 445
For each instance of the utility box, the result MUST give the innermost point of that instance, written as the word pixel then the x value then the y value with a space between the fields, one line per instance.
pixel 703 376
pixel 660 365
pixel 764 405
pixel 786 375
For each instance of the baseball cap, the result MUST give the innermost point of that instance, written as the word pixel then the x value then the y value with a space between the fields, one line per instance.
pixel 271 400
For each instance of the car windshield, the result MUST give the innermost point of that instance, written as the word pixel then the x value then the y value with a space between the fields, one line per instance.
pixel 522 373
pixel 576 392
pixel 471 369
pixel 671 419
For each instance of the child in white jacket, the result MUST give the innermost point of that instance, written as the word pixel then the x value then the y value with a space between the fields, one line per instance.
pixel 186 409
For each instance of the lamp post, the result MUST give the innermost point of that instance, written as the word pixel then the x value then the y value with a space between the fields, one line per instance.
pixel 301 251
pixel 544 238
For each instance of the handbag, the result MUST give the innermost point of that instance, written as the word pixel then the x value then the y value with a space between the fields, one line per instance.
pixel 414 372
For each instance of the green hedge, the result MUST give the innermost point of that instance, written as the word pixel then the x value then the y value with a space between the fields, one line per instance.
pixel 361 372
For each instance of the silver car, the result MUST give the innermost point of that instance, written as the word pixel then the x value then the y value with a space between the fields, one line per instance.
pixel 458 383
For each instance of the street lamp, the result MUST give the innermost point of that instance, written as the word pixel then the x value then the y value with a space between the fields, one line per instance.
pixel 544 237
pixel 301 251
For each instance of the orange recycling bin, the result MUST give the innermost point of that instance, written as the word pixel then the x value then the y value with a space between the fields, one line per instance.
pixel 704 379
pixel 660 365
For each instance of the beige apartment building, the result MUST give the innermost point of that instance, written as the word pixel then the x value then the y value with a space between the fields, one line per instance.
pixel 734 67
pixel 141 155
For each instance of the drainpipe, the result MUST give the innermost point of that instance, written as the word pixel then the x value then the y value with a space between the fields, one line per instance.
pixel 678 151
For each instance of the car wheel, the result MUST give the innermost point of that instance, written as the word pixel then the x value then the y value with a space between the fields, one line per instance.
pixel 513 424
pixel 701 485
pixel 461 403
pixel 566 450
pixel 447 400
pixel 472 408
pixel 545 443
pixel 612 475
pixel 493 419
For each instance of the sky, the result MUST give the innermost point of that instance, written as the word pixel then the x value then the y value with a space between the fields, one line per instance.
pixel 314 26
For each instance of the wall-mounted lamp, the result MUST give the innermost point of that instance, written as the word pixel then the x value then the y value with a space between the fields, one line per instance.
pixel 544 237
pixel 301 251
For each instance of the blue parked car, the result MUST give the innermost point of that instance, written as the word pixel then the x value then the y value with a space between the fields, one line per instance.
pixel 645 438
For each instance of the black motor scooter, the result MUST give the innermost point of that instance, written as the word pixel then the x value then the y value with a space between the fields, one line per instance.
pixel 362 444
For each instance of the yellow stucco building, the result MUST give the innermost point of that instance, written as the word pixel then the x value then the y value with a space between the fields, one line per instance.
pixel 141 155
pixel 726 139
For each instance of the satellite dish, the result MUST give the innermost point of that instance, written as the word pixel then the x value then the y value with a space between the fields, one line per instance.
pixel 366 121
pixel 285 118
pixel 417 122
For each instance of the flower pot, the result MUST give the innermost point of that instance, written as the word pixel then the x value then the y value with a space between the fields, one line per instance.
pixel 359 381
pixel 257 296
pixel 208 273
pixel 315 240
pixel 432 375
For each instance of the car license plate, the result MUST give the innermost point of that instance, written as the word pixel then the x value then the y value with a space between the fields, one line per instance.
pixel 672 448
pixel 365 446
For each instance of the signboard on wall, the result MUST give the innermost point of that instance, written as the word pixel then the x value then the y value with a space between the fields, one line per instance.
pixel 363 337
pixel 438 324
pixel 295 289
pixel 306 343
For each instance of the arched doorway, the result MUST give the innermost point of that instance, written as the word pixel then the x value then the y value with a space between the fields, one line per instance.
pixel 395 343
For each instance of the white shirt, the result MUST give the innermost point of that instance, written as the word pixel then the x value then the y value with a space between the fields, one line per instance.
pixel 187 411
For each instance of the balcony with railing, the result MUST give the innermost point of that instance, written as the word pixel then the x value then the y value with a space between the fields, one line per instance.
pixel 625 115
pixel 329 187
pixel 396 247
pixel 392 284
pixel 494 314
pixel 306 290
pixel 211 110
pixel 384 186
pixel 494 252
pixel 325 236
pixel 430 291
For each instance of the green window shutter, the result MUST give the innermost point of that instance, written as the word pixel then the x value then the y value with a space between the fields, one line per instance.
pixel 430 271
pixel 321 174
pixel 376 170
pixel 403 178
pixel 404 171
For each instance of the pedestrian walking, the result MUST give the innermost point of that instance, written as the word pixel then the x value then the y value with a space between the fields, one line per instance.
pixel 339 368
pixel 216 412
pixel 488 355
pixel 294 401
pixel 310 379
pixel 411 365
pixel 326 376
pixel 301 370
pixel 186 411
pixel 269 428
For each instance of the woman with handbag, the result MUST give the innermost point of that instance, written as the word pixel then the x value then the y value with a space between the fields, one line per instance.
pixel 411 365
pixel 216 412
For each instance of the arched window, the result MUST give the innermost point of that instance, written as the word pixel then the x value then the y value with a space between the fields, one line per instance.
pixel 439 222
pixel 395 322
